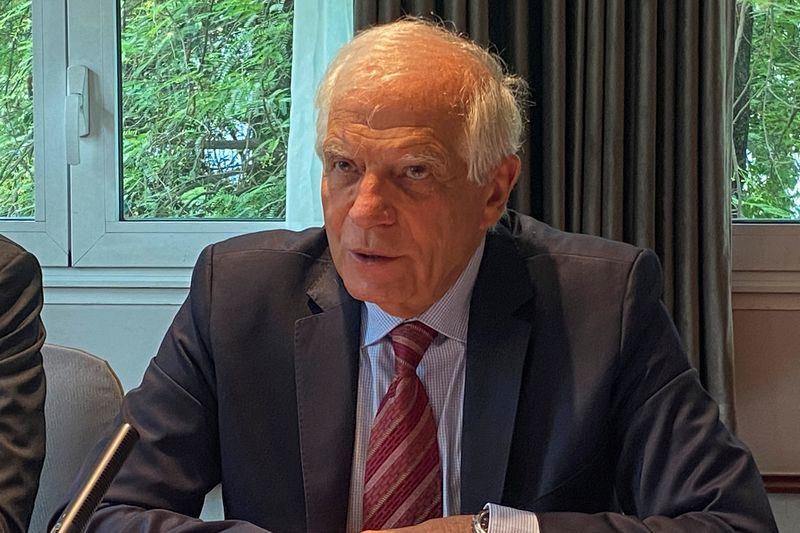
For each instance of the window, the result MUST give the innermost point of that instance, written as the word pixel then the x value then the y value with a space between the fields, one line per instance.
pixel 766 122
pixel 33 190
pixel 766 142
pixel 186 134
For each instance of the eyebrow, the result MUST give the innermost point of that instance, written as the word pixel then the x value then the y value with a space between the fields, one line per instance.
pixel 334 149
pixel 423 157
pixel 427 158
pixel 413 154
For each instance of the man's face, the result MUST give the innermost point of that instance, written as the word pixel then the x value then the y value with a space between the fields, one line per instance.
pixel 401 218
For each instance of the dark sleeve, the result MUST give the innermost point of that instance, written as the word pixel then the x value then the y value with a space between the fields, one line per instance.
pixel 162 485
pixel 678 469
pixel 22 386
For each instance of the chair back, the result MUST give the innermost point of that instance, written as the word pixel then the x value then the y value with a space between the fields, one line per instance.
pixel 83 398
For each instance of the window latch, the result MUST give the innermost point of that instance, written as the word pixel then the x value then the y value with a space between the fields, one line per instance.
pixel 76 113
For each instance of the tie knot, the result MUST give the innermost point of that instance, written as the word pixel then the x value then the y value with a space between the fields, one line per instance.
pixel 409 341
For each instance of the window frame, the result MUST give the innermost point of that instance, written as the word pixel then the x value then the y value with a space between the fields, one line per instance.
pixel 99 237
pixel 47 234
pixel 765 265
pixel 766 246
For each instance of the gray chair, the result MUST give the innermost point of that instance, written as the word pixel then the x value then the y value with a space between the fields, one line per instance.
pixel 83 397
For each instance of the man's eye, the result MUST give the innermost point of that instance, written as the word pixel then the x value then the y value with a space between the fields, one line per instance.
pixel 343 165
pixel 416 172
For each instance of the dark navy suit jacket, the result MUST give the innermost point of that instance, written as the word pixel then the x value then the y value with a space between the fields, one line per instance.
pixel 22 385
pixel 579 401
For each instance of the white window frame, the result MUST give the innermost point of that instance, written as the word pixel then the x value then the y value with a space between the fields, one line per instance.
pixel 99 238
pixel 76 220
pixel 47 234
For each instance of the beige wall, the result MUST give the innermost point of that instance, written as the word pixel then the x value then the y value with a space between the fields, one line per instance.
pixel 766 316
pixel 768 386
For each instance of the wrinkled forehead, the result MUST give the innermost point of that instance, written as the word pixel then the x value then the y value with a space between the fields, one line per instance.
pixel 405 106
pixel 421 74
pixel 415 95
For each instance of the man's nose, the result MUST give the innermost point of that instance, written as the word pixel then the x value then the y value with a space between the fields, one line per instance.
pixel 371 206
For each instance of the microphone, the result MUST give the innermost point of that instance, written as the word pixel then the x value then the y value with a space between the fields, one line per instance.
pixel 82 507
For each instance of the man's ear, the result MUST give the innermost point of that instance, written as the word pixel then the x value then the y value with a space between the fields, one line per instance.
pixel 501 180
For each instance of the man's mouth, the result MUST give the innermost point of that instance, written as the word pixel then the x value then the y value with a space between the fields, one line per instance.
pixel 370 258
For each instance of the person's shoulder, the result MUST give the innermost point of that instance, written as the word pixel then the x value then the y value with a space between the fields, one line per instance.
pixel 9 248
pixel 13 253
pixel 310 243
pixel 536 240
pixel 20 274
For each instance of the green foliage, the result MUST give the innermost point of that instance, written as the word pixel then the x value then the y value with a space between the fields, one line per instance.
pixel 205 106
pixel 768 184
pixel 16 110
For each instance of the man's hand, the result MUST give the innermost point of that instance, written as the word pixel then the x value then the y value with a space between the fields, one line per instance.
pixel 451 524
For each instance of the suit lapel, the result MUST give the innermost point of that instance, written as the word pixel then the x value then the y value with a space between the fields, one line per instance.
pixel 499 332
pixel 326 375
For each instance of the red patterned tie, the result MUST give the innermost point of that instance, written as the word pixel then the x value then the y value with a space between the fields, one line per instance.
pixel 403 478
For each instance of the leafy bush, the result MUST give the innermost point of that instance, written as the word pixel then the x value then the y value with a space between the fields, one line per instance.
pixel 16 110
pixel 205 107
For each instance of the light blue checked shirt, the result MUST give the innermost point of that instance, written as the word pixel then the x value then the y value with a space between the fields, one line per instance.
pixel 442 372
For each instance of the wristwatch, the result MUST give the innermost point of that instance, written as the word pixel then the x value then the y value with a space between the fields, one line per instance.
pixel 480 522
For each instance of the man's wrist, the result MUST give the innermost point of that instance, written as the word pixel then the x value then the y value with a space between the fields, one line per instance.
pixel 504 519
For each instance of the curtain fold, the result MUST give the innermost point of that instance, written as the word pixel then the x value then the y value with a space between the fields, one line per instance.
pixel 330 25
pixel 628 139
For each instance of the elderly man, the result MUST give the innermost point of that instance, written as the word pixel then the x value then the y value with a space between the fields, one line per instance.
pixel 427 354
pixel 22 385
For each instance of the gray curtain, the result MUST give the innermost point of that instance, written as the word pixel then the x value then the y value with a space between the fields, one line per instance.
pixel 629 137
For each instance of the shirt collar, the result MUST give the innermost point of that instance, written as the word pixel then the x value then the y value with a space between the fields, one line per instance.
pixel 449 315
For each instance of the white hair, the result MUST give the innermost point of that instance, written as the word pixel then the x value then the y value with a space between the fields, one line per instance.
pixel 490 100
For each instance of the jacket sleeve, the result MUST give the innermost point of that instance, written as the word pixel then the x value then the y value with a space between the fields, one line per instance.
pixel 678 469
pixel 162 485
pixel 22 386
